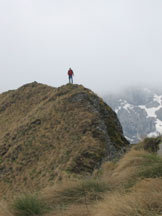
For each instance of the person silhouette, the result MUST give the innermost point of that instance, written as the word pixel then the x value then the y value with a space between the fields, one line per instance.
pixel 70 74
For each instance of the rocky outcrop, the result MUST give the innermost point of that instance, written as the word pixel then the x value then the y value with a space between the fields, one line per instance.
pixel 48 133
pixel 139 111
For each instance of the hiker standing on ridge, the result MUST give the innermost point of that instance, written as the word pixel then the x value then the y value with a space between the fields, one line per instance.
pixel 70 74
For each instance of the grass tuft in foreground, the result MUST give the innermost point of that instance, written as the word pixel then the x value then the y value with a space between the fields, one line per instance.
pixel 71 193
pixel 145 199
pixel 90 189
pixel 28 205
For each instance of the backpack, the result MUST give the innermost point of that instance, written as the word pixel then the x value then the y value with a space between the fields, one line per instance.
pixel 70 72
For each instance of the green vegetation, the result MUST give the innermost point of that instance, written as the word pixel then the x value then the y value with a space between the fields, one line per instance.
pixel 149 144
pixel 77 192
pixel 91 190
pixel 152 166
pixel 28 205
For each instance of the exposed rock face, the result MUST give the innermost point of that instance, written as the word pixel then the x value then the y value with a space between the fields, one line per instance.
pixel 159 114
pixel 139 111
pixel 48 133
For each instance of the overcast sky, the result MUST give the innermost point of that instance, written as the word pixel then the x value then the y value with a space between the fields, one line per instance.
pixel 108 43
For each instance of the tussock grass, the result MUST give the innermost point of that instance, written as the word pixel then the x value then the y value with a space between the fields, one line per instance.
pixel 4 209
pixel 106 169
pixel 28 205
pixel 135 164
pixel 74 210
pixel 144 200
pixel 130 186
pixel 149 144
pixel 125 169
pixel 152 166
pixel 144 197
pixel 79 192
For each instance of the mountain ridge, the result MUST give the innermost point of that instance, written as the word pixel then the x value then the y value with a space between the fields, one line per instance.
pixel 47 134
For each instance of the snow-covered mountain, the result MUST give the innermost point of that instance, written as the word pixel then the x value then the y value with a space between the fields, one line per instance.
pixel 139 111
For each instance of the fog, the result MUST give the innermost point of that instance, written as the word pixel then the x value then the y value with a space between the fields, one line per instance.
pixel 109 44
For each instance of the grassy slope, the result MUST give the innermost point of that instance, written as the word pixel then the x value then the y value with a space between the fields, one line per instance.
pixel 47 134
pixel 130 186
pixel 120 188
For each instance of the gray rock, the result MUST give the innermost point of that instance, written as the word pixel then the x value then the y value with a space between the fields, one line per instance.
pixel 135 121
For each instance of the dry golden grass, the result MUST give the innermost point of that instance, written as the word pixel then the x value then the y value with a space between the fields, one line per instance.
pixel 110 191
pixel 125 170
pixel 73 198
pixel 49 143
pixel 4 209
pixel 74 210
pixel 49 134
pixel 65 194
pixel 140 200
pixel 145 199
pixel 107 168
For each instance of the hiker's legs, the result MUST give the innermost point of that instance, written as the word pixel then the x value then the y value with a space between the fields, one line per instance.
pixel 70 79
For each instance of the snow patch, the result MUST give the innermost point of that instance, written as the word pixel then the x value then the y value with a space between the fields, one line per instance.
pixel 128 107
pixel 153 134
pixel 158 98
pixel 159 126
pixel 151 112
pixel 124 105
pixel 129 139
pixel 117 109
